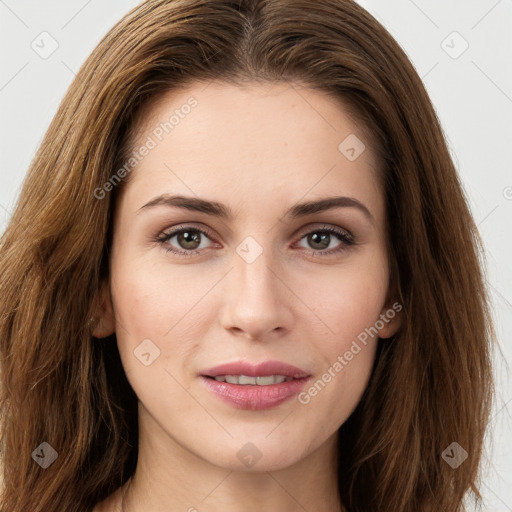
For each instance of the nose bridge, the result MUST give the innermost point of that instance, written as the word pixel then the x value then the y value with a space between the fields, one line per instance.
pixel 252 273
pixel 255 300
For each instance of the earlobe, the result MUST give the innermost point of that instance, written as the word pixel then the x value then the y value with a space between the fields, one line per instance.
pixel 103 323
pixel 390 321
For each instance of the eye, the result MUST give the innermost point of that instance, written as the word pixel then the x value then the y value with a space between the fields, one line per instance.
pixel 321 239
pixel 188 240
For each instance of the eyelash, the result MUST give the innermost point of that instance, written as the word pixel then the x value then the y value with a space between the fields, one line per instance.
pixel 344 237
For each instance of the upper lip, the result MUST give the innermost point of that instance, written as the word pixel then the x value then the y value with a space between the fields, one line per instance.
pixel 263 369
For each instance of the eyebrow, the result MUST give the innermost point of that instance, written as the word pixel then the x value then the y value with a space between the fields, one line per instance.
pixel 224 212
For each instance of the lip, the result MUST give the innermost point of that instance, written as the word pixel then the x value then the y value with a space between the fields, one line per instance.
pixel 263 369
pixel 254 397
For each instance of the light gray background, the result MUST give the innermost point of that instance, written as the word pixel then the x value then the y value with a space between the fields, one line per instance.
pixel 471 91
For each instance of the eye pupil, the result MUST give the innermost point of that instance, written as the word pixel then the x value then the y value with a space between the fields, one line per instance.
pixel 189 237
pixel 322 239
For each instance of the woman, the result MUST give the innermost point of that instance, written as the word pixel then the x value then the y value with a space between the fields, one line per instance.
pixel 239 275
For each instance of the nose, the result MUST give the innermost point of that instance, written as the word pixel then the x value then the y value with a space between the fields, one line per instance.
pixel 257 301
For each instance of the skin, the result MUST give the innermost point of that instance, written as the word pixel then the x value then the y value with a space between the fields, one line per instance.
pixel 258 149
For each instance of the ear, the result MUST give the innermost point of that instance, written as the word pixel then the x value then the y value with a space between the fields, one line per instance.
pixel 390 318
pixel 103 324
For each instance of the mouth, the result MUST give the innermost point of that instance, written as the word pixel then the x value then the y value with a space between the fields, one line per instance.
pixel 255 387
pixel 246 370
pixel 247 380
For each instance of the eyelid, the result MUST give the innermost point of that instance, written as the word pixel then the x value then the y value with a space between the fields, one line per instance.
pixel 166 235
pixel 346 238
pixel 184 226
pixel 322 226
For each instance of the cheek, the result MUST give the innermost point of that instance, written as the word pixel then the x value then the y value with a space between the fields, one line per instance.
pixel 150 299
pixel 152 309
pixel 333 395
pixel 348 299
pixel 349 308
pixel 348 303
pixel 169 305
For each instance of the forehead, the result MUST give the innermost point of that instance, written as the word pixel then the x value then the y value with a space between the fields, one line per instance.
pixel 270 138
pixel 240 105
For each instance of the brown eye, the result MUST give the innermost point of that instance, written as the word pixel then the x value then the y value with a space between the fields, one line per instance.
pixel 320 240
pixel 189 240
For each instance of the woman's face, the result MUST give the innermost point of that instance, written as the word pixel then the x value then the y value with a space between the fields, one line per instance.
pixel 252 276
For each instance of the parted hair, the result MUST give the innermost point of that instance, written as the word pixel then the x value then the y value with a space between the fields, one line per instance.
pixel 431 384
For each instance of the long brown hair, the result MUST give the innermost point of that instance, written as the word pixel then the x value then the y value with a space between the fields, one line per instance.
pixel 432 382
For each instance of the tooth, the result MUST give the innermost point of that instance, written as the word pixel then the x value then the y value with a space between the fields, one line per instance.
pixel 265 381
pixel 244 379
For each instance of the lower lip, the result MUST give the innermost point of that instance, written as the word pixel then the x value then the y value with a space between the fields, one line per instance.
pixel 254 397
